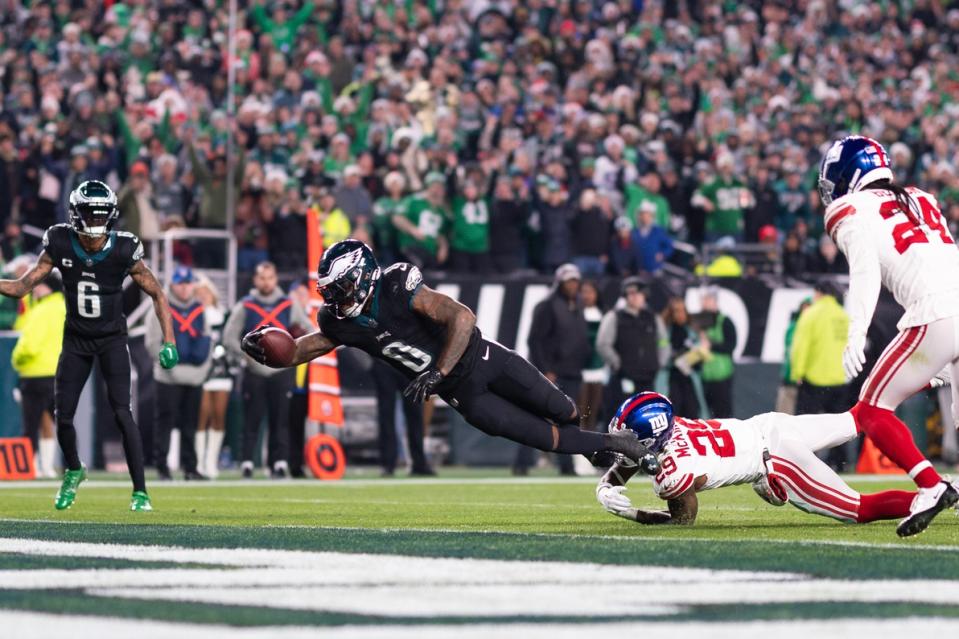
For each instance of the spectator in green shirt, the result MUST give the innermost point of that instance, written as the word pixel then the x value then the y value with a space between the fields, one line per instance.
pixel 282 29
pixel 422 225
pixel 725 200
pixel 648 190
pixel 469 242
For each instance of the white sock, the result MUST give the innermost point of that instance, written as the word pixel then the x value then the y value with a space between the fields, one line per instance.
pixel 199 441
pixel 213 446
pixel 48 453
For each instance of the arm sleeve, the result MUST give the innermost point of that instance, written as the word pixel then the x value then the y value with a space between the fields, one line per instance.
pixel 540 333
pixel 259 16
pixel 673 484
pixel 865 278
pixel 606 338
pixel 231 332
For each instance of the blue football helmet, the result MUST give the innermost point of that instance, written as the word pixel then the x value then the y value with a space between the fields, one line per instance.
pixel 649 415
pixel 347 275
pixel 849 165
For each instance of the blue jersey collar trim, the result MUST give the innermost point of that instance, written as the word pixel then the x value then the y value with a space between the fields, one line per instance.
pixel 97 257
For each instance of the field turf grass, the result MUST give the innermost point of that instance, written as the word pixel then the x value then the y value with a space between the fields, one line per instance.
pixel 457 553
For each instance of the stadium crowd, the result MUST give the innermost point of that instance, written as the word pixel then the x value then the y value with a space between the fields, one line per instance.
pixel 477 136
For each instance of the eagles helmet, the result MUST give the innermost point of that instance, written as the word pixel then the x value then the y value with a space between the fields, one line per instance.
pixel 649 415
pixel 849 165
pixel 93 208
pixel 347 274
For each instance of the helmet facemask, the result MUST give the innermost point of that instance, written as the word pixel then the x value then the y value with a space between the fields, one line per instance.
pixel 348 283
pixel 340 296
pixel 93 209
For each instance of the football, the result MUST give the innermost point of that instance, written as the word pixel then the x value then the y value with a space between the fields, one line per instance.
pixel 278 347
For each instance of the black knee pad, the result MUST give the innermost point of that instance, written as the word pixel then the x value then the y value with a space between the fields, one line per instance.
pixel 561 407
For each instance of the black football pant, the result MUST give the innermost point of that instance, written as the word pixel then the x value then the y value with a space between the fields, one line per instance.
pixel 36 396
pixel 177 406
pixel 505 396
pixel 73 369
pixel 389 382
pixel 270 396
pixel 525 457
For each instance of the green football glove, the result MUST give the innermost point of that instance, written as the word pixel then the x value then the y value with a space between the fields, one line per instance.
pixel 168 355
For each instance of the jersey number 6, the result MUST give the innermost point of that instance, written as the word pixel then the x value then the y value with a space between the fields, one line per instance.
pixel 88 302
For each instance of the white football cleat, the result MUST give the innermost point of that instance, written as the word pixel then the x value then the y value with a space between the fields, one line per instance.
pixel 927 503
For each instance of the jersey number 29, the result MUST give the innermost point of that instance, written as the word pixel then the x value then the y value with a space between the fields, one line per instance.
pixel 88 302
pixel 909 232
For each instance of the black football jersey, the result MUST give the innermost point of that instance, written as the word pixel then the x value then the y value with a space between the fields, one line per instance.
pixel 394 332
pixel 93 283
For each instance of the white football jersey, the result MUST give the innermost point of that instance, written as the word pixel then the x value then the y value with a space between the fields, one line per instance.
pixel 726 451
pixel 915 255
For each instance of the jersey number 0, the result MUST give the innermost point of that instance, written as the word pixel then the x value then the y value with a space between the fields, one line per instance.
pixel 88 302
pixel 409 356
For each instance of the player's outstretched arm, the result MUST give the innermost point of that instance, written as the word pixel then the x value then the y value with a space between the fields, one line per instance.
pixel 865 282
pixel 25 283
pixel 683 509
pixel 148 283
pixel 311 346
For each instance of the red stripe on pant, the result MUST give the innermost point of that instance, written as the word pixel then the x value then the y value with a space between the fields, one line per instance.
pixel 814 496
pixel 921 335
pixel 890 362
pixel 850 499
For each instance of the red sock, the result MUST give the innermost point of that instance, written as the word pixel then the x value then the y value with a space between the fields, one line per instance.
pixel 894 440
pixel 889 504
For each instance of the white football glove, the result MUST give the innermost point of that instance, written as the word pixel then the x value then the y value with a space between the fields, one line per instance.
pixel 854 356
pixel 942 378
pixel 612 498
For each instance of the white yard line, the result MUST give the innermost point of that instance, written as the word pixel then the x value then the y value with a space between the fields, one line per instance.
pixel 26 625
pixel 404 586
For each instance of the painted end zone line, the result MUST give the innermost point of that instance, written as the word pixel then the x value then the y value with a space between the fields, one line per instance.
pixel 621 538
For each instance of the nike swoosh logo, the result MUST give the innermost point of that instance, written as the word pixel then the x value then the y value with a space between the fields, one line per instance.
pixel 486 354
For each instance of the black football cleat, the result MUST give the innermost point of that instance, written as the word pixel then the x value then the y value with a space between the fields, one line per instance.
pixel 626 443
pixel 927 503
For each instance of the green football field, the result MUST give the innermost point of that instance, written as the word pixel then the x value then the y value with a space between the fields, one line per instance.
pixel 470 554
